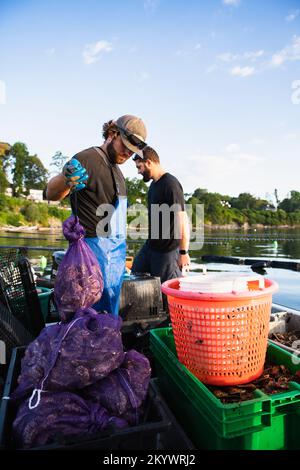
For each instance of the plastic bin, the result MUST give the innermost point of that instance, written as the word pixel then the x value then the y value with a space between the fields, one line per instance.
pixel 141 299
pixel 267 422
pixel 221 337
pixel 44 294
pixel 156 421
pixel 174 438
pixel 284 322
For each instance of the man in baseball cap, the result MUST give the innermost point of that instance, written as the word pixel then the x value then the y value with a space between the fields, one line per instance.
pixel 96 183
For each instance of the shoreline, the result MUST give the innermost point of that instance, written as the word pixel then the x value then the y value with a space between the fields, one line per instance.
pixel 58 228
pixel 30 229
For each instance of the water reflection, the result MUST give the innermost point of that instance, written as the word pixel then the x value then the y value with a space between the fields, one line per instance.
pixel 283 244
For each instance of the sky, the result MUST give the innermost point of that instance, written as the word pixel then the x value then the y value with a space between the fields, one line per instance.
pixel 217 83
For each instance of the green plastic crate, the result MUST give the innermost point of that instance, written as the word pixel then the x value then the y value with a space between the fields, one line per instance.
pixel 267 422
pixel 44 294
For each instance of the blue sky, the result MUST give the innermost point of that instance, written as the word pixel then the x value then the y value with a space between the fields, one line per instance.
pixel 213 80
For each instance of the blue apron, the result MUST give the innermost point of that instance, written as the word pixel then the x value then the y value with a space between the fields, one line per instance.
pixel 111 254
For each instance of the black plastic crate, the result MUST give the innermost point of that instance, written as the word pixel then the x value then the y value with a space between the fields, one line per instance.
pixel 174 438
pixel 157 421
pixel 141 299
pixel 18 291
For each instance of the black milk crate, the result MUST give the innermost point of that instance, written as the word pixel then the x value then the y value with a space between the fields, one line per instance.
pixel 141 299
pixel 157 420
pixel 175 438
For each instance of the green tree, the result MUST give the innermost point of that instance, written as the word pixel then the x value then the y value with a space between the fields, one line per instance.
pixel 18 154
pixel 291 204
pixel 4 159
pixel 200 194
pixel 263 204
pixel 3 180
pixel 136 191
pixel 243 201
pixel 58 161
pixel 31 212
pixel 35 174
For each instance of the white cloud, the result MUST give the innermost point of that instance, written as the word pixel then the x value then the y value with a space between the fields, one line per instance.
pixel 49 52
pixel 291 135
pixel 2 92
pixel 289 53
pixel 93 51
pixel 253 55
pixel 258 141
pixel 234 3
pixel 292 15
pixel 227 57
pixel 232 148
pixel 295 97
pixel 180 52
pixel 211 68
pixel 142 76
pixel 151 5
pixel 242 71
pixel 189 51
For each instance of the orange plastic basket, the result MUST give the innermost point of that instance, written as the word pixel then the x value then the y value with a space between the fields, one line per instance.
pixel 221 338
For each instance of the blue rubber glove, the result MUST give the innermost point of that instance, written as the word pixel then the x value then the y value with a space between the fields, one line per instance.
pixel 75 175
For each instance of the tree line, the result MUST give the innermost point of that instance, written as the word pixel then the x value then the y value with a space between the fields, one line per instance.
pixel 222 209
pixel 28 172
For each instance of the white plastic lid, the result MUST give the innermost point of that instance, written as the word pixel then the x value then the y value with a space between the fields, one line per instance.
pixel 215 283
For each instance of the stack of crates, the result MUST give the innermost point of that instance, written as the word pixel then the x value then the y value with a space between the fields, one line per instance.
pixel 267 422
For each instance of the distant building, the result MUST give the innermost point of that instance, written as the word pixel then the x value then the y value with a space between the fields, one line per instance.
pixel 35 195
pixel 8 192
pixel 269 207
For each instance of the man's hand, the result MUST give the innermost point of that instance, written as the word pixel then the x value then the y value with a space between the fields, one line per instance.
pixel 184 260
pixel 75 175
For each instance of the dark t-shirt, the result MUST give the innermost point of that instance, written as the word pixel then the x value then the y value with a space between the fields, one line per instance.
pixel 167 191
pixel 101 188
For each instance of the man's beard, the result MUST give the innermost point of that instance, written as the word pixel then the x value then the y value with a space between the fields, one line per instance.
pixel 111 152
pixel 146 176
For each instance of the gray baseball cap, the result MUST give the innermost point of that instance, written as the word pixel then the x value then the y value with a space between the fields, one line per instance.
pixel 133 132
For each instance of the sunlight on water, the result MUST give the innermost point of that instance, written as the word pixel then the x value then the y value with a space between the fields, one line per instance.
pixel 283 244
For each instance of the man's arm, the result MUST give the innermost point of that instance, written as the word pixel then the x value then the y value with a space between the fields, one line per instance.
pixel 57 188
pixel 184 260
pixel 72 178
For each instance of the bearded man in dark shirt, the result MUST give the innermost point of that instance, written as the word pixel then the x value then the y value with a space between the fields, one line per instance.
pixel 165 252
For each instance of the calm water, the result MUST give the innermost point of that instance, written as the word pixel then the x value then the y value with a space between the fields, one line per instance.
pixel 281 244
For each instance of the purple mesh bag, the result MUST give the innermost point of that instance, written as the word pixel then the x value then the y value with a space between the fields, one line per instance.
pixel 60 415
pixel 79 281
pixel 72 356
pixel 125 389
